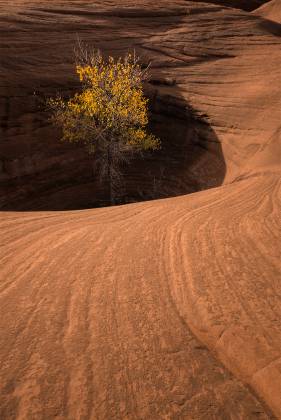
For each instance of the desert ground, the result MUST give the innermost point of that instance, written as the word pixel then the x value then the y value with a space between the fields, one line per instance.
pixel 168 307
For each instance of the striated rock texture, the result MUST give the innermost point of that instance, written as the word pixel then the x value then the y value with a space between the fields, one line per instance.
pixel 37 41
pixel 167 309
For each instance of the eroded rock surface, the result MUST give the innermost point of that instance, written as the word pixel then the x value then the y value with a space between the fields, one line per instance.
pixel 208 108
pixel 162 309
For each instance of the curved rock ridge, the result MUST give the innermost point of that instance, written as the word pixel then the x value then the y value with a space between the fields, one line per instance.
pixel 166 309
pixel 271 10
pixel 128 312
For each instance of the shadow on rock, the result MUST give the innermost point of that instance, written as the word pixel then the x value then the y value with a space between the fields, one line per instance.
pixel 190 160
pixel 191 157
pixel 37 172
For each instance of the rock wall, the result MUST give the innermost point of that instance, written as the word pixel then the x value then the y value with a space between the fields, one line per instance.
pixel 216 129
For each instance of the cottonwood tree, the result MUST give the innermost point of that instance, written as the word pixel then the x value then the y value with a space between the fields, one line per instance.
pixel 109 115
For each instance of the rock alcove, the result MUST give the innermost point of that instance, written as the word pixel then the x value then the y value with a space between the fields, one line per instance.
pixel 190 160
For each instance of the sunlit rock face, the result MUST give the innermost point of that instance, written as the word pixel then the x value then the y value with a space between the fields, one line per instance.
pixel 271 11
pixel 164 309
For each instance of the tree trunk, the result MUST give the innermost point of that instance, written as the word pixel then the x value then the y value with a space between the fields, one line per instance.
pixel 109 172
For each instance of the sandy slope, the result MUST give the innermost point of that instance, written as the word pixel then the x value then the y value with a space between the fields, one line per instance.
pixel 163 309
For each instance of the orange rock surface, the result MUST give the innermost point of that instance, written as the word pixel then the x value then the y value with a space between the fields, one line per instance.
pixel 164 309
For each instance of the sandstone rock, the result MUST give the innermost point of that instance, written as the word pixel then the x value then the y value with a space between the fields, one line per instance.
pixel 163 309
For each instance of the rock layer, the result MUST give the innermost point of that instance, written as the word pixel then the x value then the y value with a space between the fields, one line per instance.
pixel 162 309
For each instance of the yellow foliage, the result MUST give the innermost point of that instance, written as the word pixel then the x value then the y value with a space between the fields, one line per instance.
pixel 110 107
